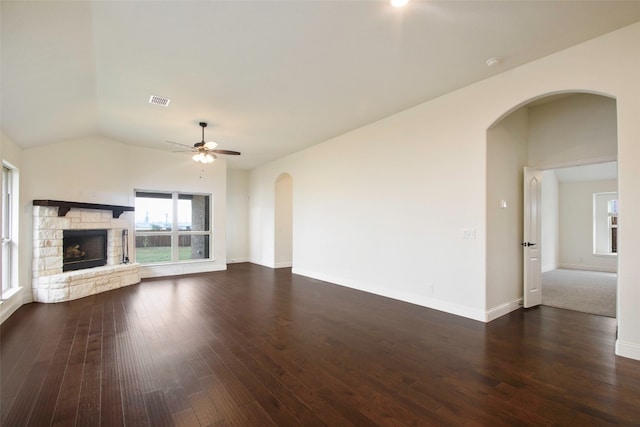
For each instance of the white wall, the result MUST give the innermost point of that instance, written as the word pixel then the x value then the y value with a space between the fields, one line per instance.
pixel 372 217
pixel 506 159
pixel 99 170
pixel 237 215
pixel 576 129
pixel 386 215
pixel 550 225
pixel 576 226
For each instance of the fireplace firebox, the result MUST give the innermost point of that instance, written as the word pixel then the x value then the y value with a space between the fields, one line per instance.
pixel 84 249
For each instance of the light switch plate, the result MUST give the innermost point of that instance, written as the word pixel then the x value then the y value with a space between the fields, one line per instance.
pixel 469 234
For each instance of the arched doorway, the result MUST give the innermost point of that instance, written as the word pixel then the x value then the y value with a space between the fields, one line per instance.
pixel 553 131
pixel 283 221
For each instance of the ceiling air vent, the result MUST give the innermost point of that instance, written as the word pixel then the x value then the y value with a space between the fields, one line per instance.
pixel 159 100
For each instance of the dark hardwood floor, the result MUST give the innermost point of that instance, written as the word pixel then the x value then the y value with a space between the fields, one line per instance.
pixel 258 347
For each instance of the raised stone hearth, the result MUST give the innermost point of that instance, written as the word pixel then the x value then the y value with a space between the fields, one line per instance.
pixel 81 283
pixel 50 283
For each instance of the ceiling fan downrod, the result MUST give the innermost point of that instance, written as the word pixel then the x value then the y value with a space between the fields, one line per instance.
pixel 201 143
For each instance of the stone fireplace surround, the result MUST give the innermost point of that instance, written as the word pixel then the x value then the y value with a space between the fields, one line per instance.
pixel 50 283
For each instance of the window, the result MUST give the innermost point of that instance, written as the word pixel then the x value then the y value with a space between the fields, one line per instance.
pixel 172 227
pixel 9 227
pixel 605 223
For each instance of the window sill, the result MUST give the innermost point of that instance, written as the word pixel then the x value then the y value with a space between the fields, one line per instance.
pixel 176 263
pixel 606 255
pixel 7 295
pixel 179 268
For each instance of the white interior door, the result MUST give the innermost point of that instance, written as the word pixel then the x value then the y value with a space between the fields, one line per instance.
pixel 532 294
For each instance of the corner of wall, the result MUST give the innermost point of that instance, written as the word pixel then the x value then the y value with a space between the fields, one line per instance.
pixel 502 310
pixel 627 349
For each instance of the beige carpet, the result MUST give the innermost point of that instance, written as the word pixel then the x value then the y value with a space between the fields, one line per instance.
pixel 587 291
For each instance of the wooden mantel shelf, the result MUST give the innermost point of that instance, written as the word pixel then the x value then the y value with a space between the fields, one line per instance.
pixel 64 207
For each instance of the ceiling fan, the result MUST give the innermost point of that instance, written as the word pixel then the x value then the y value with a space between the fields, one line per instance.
pixel 205 152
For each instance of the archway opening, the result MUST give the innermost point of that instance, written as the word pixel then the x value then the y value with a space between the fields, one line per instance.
pixel 283 221
pixel 547 133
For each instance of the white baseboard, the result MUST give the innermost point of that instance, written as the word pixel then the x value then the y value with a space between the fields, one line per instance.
pixel 283 264
pixel 238 260
pixel 627 349
pixel 433 303
pixel 272 264
pixel 262 263
pixel 503 309
pixel 602 269
pixel 11 304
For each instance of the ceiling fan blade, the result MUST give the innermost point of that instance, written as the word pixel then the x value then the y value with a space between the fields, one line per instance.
pixel 182 145
pixel 229 152
pixel 182 151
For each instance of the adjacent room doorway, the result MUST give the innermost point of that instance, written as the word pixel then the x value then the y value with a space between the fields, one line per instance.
pixel 546 133
pixel 283 221
pixel 579 238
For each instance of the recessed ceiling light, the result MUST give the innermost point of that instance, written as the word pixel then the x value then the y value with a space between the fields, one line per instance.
pixel 159 100
pixel 399 3
pixel 492 62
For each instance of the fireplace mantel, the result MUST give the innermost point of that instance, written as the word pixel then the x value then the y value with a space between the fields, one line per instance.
pixel 64 207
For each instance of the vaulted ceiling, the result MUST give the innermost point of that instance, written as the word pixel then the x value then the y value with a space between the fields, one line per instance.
pixel 270 77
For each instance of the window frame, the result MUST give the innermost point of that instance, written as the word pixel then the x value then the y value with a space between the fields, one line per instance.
pixel 10 227
pixel 604 223
pixel 175 233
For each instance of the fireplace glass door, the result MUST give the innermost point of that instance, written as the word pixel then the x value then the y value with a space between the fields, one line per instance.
pixel 84 249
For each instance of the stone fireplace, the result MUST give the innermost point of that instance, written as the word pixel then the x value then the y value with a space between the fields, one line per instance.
pixel 77 250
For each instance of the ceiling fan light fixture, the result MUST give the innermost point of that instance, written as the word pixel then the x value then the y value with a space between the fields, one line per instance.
pixel 203 158
pixel 210 145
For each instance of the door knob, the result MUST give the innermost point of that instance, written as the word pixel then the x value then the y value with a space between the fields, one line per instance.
pixel 527 244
